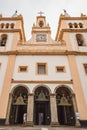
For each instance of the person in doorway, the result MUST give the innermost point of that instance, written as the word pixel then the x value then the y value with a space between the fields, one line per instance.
pixel 24 119
pixel 40 118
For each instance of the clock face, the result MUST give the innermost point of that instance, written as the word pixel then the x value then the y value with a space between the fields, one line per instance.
pixel 41 38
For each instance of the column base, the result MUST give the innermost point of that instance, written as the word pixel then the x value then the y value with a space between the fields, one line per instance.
pixel 77 123
pixel 55 124
pixel 30 123
pixel 7 124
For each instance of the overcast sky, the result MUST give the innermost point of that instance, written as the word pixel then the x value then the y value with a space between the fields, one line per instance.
pixel 51 8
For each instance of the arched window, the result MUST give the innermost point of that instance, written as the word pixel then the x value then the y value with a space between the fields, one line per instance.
pixel 80 25
pixel 12 25
pixel 41 23
pixel 75 25
pixel 80 39
pixel 3 40
pixel 2 25
pixel 7 25
pixel 70 25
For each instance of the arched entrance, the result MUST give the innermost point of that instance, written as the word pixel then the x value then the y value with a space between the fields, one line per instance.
pixel 65 109
pixel 42 114
pixel 18 105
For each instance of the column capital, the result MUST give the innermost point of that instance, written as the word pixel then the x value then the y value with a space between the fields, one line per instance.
pixel 31 94
pixel 52 94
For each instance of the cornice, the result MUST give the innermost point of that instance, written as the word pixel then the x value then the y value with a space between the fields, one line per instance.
pixel 43 81
pixel 10 30
pixel 43 53
pixel 44 44
pixel 41 31
pixel 41 16
pixel 19 17
pixel 36 27
pixel 75 30
pixel 72 18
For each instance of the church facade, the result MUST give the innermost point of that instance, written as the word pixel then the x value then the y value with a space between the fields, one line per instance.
pixel 45 78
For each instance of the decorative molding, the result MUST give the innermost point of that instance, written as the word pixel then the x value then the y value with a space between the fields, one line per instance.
pixel 31 94
pixel 52 95
pixel 19 17
pixel 52 52
pixel 43 81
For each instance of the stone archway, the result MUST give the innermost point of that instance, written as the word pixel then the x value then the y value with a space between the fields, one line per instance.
pixel 18 105
pixel 65 108
pixel 42 115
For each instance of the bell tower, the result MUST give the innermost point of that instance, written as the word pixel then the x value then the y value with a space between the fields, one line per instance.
pixel 41 30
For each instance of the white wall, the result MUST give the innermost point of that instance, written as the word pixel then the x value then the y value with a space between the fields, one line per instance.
pixel 52 62
pixel 83 76
pixel 3 62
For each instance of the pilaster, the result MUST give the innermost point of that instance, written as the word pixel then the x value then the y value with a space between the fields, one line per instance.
pixel 75 110
pixel 30 108
pixel 77 86
pixel 54 114
pixel 7 86
pixel 8 109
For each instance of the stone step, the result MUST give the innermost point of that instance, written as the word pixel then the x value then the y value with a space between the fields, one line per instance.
pixel 35 128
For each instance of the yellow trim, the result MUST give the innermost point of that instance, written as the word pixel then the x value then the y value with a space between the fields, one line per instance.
pixel 77 86
pixel 44 81
pixel 32 52
pixel 37 69
pixel 6 86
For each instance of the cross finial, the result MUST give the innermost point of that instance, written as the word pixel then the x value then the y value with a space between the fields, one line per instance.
pixel 40 13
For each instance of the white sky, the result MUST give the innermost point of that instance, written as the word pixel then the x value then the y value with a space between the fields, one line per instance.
pixel 51 8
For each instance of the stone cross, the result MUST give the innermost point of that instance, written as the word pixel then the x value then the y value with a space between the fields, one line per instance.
pixel 40 13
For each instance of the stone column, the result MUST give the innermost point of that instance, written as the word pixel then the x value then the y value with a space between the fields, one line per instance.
pixel 54 115
pixel 75 110
pixel 8 109
pixel 30 108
